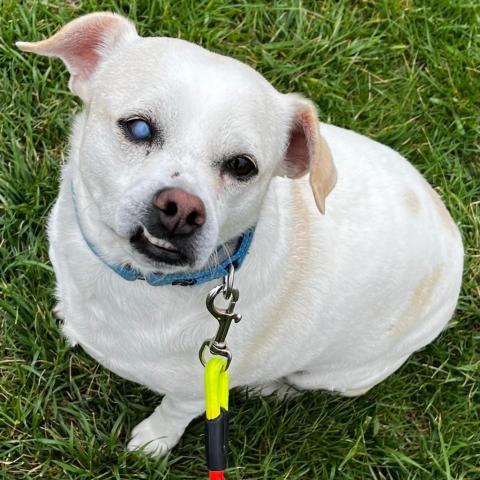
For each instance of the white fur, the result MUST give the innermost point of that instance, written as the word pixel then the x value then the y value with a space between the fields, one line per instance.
pixel 334 302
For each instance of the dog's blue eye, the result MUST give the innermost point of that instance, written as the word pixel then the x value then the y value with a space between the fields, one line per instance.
pixel 139 129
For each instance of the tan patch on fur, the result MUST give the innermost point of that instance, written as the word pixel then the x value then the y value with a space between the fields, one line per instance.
pixel 298 272
pixel 298 203
pixel 299 260
pixel 442 210
pixel 412 201
pixel 418 303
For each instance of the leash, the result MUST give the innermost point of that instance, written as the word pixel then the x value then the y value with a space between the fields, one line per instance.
pixel 216 377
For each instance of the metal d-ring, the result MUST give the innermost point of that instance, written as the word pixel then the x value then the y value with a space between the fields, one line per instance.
pixel 214 350
pixel 217 345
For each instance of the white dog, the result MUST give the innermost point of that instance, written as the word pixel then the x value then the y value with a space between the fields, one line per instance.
pixel 179 151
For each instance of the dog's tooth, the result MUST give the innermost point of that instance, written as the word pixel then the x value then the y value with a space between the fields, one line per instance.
pixel 157 241
pixel 165 244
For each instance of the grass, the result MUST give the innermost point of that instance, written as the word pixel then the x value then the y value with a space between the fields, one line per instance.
pixel 403 72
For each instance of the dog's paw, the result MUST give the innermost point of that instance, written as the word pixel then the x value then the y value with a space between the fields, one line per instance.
pixel 153 437
pixel 354 392
pixel 277 389
pixel 58 311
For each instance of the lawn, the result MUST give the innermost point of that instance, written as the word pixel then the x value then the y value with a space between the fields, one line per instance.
pixel 403 72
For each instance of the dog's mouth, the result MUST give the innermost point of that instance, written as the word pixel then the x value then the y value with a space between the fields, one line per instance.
pixel 158 249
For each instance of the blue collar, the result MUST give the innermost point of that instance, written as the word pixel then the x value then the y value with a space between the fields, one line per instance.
pixel 185 279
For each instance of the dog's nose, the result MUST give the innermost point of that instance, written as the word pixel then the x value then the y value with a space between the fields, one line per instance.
pixel 180 213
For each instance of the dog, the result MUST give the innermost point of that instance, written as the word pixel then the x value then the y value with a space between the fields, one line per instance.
pixel 347 261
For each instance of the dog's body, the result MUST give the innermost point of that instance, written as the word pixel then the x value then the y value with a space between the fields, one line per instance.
pixel 334 302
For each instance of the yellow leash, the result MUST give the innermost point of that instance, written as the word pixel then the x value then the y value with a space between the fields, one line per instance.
pixel 216 378
pixel 216 412
pixel 216 387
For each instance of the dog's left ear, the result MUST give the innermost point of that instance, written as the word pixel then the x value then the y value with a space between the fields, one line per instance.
pixel 83 44
pixel 307 150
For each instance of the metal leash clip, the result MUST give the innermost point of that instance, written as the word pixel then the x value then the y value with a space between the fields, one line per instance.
pixel 217 345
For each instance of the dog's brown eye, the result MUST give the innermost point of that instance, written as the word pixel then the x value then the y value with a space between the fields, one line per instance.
pixel 241 166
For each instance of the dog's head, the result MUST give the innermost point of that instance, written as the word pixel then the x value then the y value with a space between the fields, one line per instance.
pixel 179 144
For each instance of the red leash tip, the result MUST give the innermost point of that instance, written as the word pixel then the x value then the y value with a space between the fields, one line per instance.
pixel 216 475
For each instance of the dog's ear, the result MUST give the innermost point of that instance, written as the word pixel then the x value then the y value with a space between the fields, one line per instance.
pixel 307 150
pixel 83 44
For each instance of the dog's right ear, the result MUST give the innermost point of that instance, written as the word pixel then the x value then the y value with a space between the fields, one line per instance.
pixel 83 44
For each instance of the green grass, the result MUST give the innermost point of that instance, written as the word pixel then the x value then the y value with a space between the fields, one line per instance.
pixel 403 72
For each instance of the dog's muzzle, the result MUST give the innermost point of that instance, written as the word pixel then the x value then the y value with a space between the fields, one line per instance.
pixel 169 227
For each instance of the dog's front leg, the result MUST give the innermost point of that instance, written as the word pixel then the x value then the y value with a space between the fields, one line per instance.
pixel 162 430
